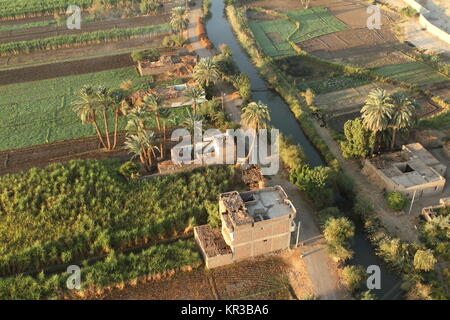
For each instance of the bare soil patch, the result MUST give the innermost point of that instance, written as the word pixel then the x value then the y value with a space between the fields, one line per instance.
pixel 13 161
pixel 63 69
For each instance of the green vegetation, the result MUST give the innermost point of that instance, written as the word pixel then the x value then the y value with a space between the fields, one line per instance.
pixel 78 209
pixel 65 41
pixel 129 170
pixel 396 201
pixel 416 73
pixel 315 183
pixel 21 8
pixel 148 54
pixel 408 12
pixel 424 260
pixel 116 269
pixel 27 25
pixel 302 25
pixel 40 112
pixel 358 140
pixel 439 122
pixel 337 233
pixel 352 277
pixel 333 83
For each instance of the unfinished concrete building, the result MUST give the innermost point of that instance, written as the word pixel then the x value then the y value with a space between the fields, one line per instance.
pixel 411 170
pixel 253 223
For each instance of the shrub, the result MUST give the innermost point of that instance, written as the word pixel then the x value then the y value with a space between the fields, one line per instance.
pixel 315 183
pixel 408 11
pixel 130 170
pixel 367 295
pixel 174 40
pixel 338 230
pixel 352 277
pixel 150 55
pixel 212 208
pixel 358 140
pixel 396 201
pixel 424 260
pixel 290 153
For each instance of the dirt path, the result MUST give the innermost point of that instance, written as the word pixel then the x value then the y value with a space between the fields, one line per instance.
pixel 321 270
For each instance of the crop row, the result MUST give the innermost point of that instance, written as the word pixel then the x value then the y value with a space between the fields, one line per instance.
pixel 65 41
pixel 24 8
pixel 74 210
pixel 115 271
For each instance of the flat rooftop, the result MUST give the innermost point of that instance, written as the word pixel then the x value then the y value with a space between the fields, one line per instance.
pixel 212 242
pixel 412 166
pixel 257 205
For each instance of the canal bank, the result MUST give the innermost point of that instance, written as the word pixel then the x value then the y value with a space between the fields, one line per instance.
pixel 220 32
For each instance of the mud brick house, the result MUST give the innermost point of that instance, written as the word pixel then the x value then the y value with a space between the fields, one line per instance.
pixel 253 223
pixel 180 63
pixel 413 169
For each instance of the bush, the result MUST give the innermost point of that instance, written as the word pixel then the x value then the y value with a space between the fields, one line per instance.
pixel 408 11
pixel 315 183
pixel 338 230
pixel 290 153
pixel 396 201
pixel 174 40
pixel 130 170
pixel 150 55
pixel 424 260
pixel 352 277
pixel 358 140
pixel 212 208
pixel 367 295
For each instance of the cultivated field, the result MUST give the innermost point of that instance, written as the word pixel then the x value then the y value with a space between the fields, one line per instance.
pixel 40 112
pixel 314 22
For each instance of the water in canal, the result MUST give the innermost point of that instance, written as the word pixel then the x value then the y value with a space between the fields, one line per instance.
pixel 220 32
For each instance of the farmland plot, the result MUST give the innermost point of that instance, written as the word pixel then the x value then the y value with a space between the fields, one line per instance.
pixel 78 209
pixel 412 72
pixel 273 35
pixel 39 112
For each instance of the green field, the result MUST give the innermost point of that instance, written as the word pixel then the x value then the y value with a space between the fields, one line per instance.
pixel 412 72
pixel 27 25
pixel 74 210
pixel 272 35
pixel 40 112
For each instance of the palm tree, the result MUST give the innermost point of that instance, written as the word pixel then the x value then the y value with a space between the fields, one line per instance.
pixel 165 116
pixel 377 112
pixel 191 122
pixel 255 116
pixel 121 107
pixel 403 111
pixel 179 20
pixel 194 94
pixel 105 104
pixel 154 104
pixel 138 119
pixel 86 109
pixel 142 145
pixel 206 72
